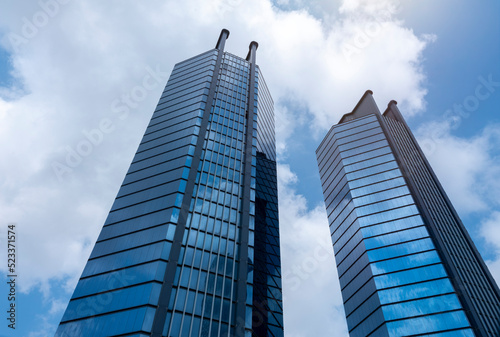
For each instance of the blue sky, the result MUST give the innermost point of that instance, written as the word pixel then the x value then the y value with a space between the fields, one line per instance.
pixel 60 81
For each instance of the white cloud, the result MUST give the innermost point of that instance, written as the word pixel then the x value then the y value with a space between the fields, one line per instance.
pixel 46 328
pixel 367 7
pixel 329 69
pixel 311 289
pixel 467 167
pixel 490 231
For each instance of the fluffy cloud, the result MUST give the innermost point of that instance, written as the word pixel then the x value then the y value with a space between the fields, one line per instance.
pixel 311 288
pixel 329 68
pixel 490 232
pixel 467 167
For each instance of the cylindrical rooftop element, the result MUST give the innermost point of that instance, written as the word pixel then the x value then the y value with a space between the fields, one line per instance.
pixel 252 49
pixel 221 42
pixel 393 112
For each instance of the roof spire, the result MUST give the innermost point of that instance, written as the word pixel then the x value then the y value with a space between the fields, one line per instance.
pixel 224 34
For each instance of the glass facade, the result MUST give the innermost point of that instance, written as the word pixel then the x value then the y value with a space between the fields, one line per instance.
pixel 191 244
pixel 395 278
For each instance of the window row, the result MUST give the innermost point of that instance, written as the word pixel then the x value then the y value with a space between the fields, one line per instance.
pixel 401 249
pixel 384 205
pixel 336 132
pixel 181 75
pixel 163 115
pixel 152 271
pixel 202 281
pixel 414 291
pixel 186 64
pixel 226 171
pixel 140 255
pixel 218 183
pixel 210 261
pixel 358 145
pixel 148 194
pixel 129 241
pixel 410 276
pixel 136 224
pixel 171 132
pixel 167 120
pixel 395 238
pixel 187 84
pixel 138 319
pixel 382 195
pixel 212 243
pixel 369 162
pixel 159 151
pixel 143 208
pixel 187 89
pixel 214 195
pixel 162 167
pixel 188 325
pixel 182 149
pixel 427 324
pixel 191 75
pixel 126 298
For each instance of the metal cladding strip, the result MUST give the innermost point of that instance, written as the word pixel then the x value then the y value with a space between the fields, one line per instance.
pixel 168 279
pixel 438 242
pixel 393 108
pixel 245 216
pixel 463 230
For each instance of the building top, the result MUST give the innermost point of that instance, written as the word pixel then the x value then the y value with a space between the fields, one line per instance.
pixel 365 106
pixel 252 48
pixel 393 112
pixel 224 34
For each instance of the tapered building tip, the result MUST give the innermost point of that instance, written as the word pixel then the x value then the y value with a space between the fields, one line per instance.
pixel 253 43
pixel 224 34
pixel 252 48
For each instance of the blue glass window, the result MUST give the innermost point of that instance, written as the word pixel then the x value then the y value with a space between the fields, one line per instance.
pixel 388 215
pixel 413 291
pixel 410 276
pixel 405 262
pixel 426 324
pixel 379 196
pixel 421 307
pixel 400 249
pixel 396 237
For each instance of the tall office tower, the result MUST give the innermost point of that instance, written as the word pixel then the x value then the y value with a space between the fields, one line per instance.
pixel 191 244
pixel 406 263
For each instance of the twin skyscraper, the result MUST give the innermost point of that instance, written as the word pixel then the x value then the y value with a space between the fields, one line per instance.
pixel 406 264
pixel 191 245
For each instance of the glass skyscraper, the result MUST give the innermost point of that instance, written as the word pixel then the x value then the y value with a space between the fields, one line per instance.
pixel 406 263
pixel 191 244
